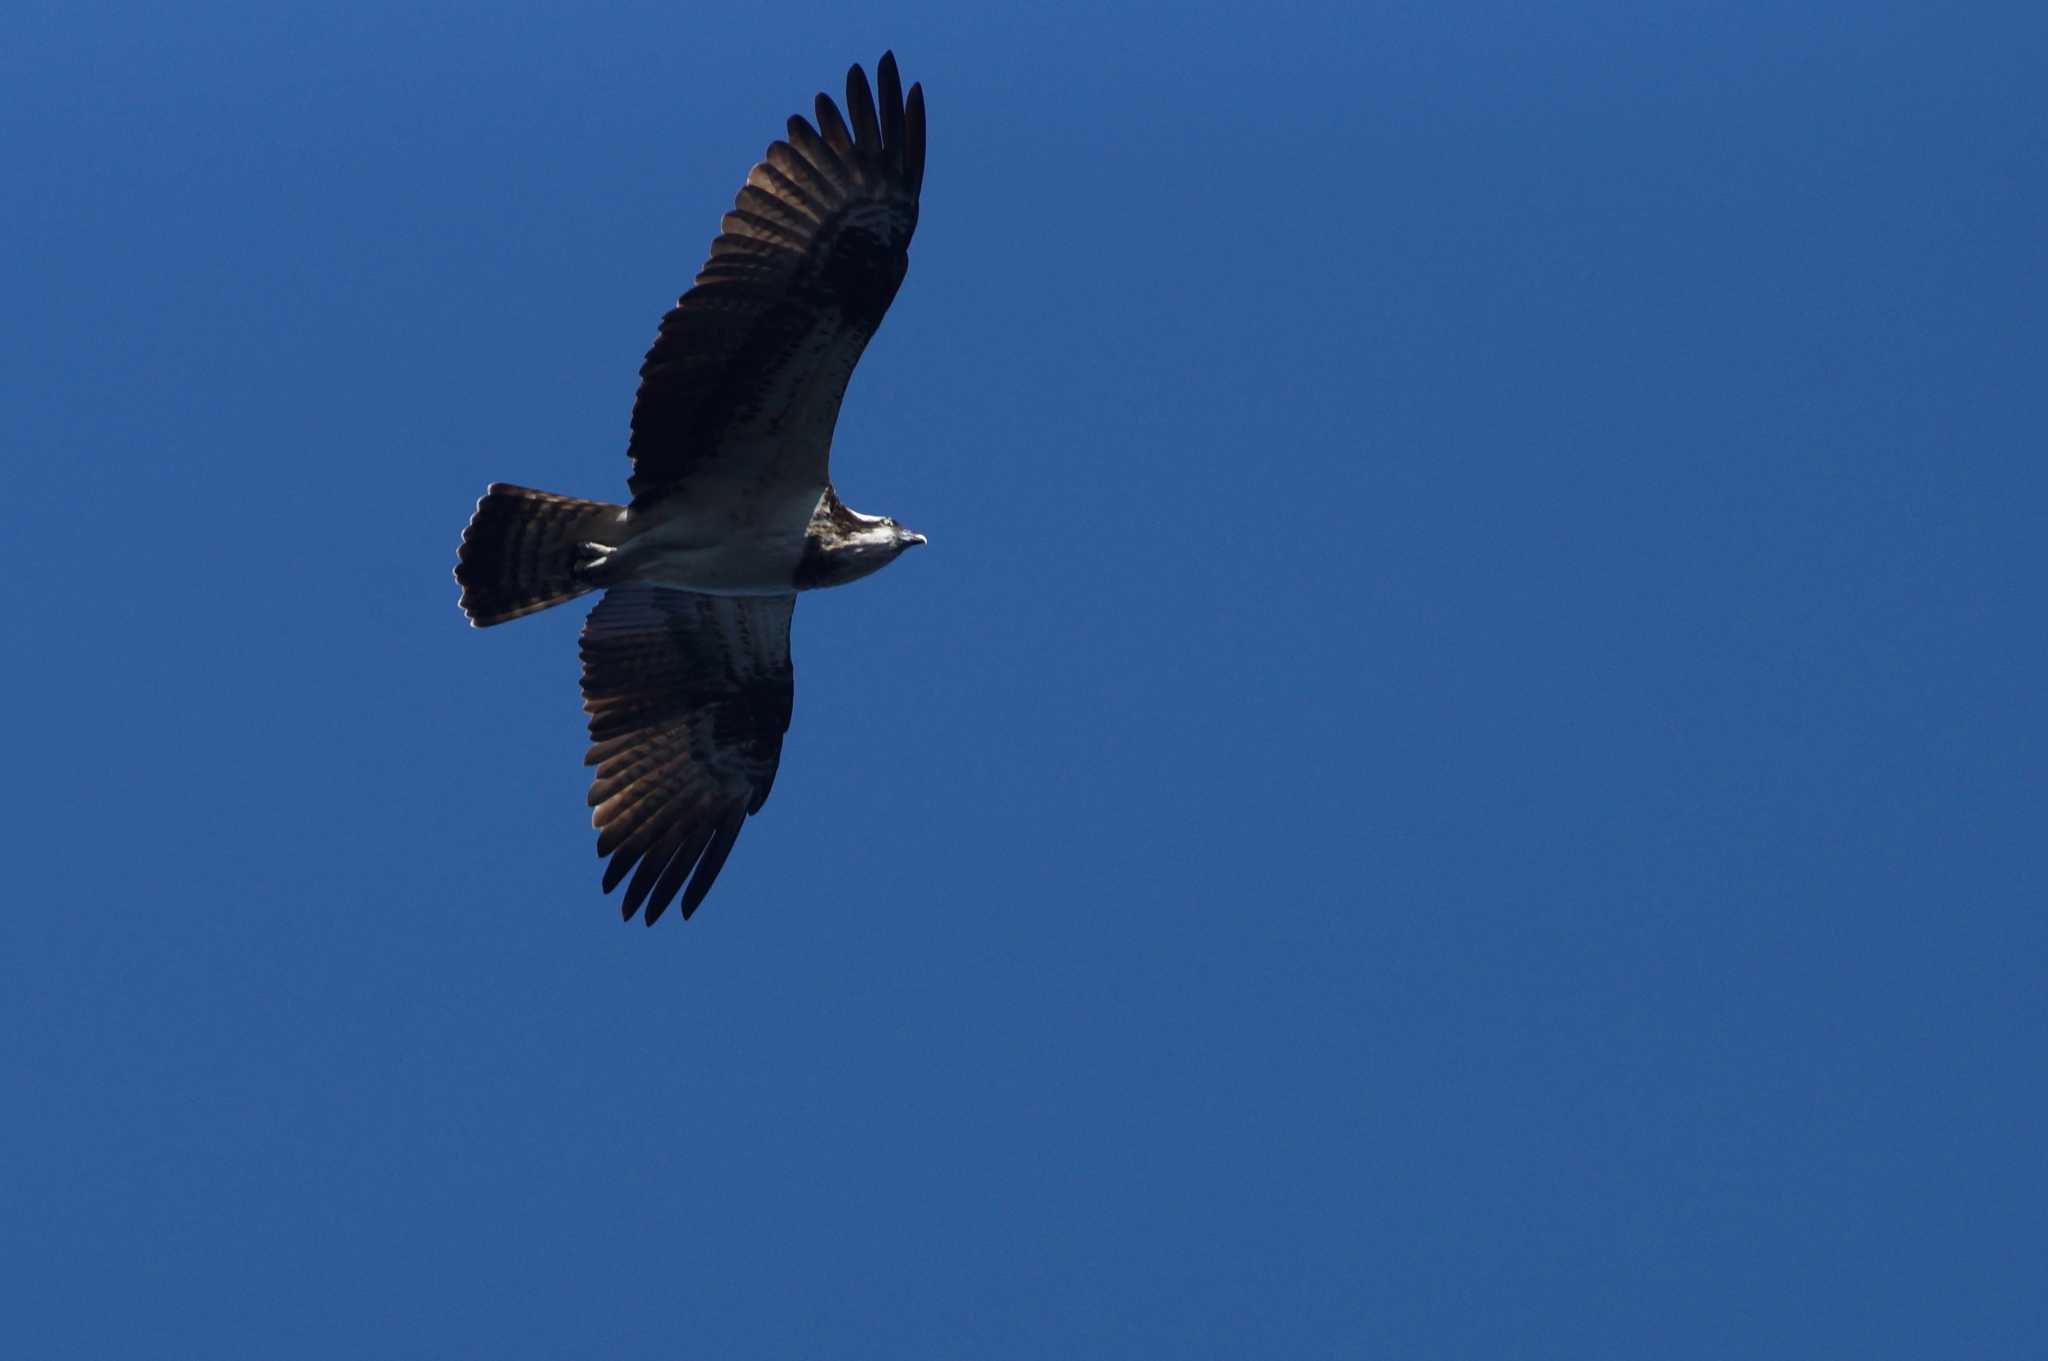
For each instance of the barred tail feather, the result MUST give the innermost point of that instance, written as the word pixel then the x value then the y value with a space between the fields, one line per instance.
pixel 521 550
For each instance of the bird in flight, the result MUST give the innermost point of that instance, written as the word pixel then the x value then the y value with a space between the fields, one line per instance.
pixel 686 672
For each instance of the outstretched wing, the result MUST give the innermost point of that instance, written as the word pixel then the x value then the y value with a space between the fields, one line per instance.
pixel 743 382
pixel 688 696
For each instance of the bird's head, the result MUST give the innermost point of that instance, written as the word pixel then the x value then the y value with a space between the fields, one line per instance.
pixel 882 537
pixel 852 546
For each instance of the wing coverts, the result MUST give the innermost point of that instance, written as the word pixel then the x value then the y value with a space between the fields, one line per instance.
pixel 688 696
pixel 755 356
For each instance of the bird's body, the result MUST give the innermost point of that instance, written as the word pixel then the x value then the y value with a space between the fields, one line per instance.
pixel 712 546
pixel 776 545
pixel 686 675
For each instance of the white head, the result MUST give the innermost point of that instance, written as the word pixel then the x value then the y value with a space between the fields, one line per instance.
pixel 871 544
pixel 844 545
pixel 881 534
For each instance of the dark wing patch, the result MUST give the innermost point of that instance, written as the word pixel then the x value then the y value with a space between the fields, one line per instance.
pixel 688 696
pixel 757 354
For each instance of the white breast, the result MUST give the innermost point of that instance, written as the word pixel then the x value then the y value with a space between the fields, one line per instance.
pixel 713 545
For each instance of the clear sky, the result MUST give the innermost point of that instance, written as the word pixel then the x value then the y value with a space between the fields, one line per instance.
pixel 1463 774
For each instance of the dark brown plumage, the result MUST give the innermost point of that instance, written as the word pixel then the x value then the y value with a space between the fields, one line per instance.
pixel 800 275
pixel 686 671
pixel 689 696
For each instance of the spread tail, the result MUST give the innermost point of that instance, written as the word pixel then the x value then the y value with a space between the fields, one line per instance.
pixel 522 549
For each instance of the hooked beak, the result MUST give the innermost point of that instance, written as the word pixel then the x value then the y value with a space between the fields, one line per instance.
pixel 910 539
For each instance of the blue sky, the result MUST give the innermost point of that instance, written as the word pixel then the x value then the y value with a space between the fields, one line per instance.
pixel 1462 775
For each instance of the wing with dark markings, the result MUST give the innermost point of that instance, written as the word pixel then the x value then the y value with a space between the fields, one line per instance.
pixel 688 696
pixel 750 365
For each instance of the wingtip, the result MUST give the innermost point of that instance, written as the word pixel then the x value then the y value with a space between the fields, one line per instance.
pixel 861 112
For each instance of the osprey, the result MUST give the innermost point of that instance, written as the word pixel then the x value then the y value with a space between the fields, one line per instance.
pixel 686 673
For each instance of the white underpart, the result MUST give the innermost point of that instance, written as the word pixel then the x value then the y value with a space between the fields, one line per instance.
pixel 711 544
